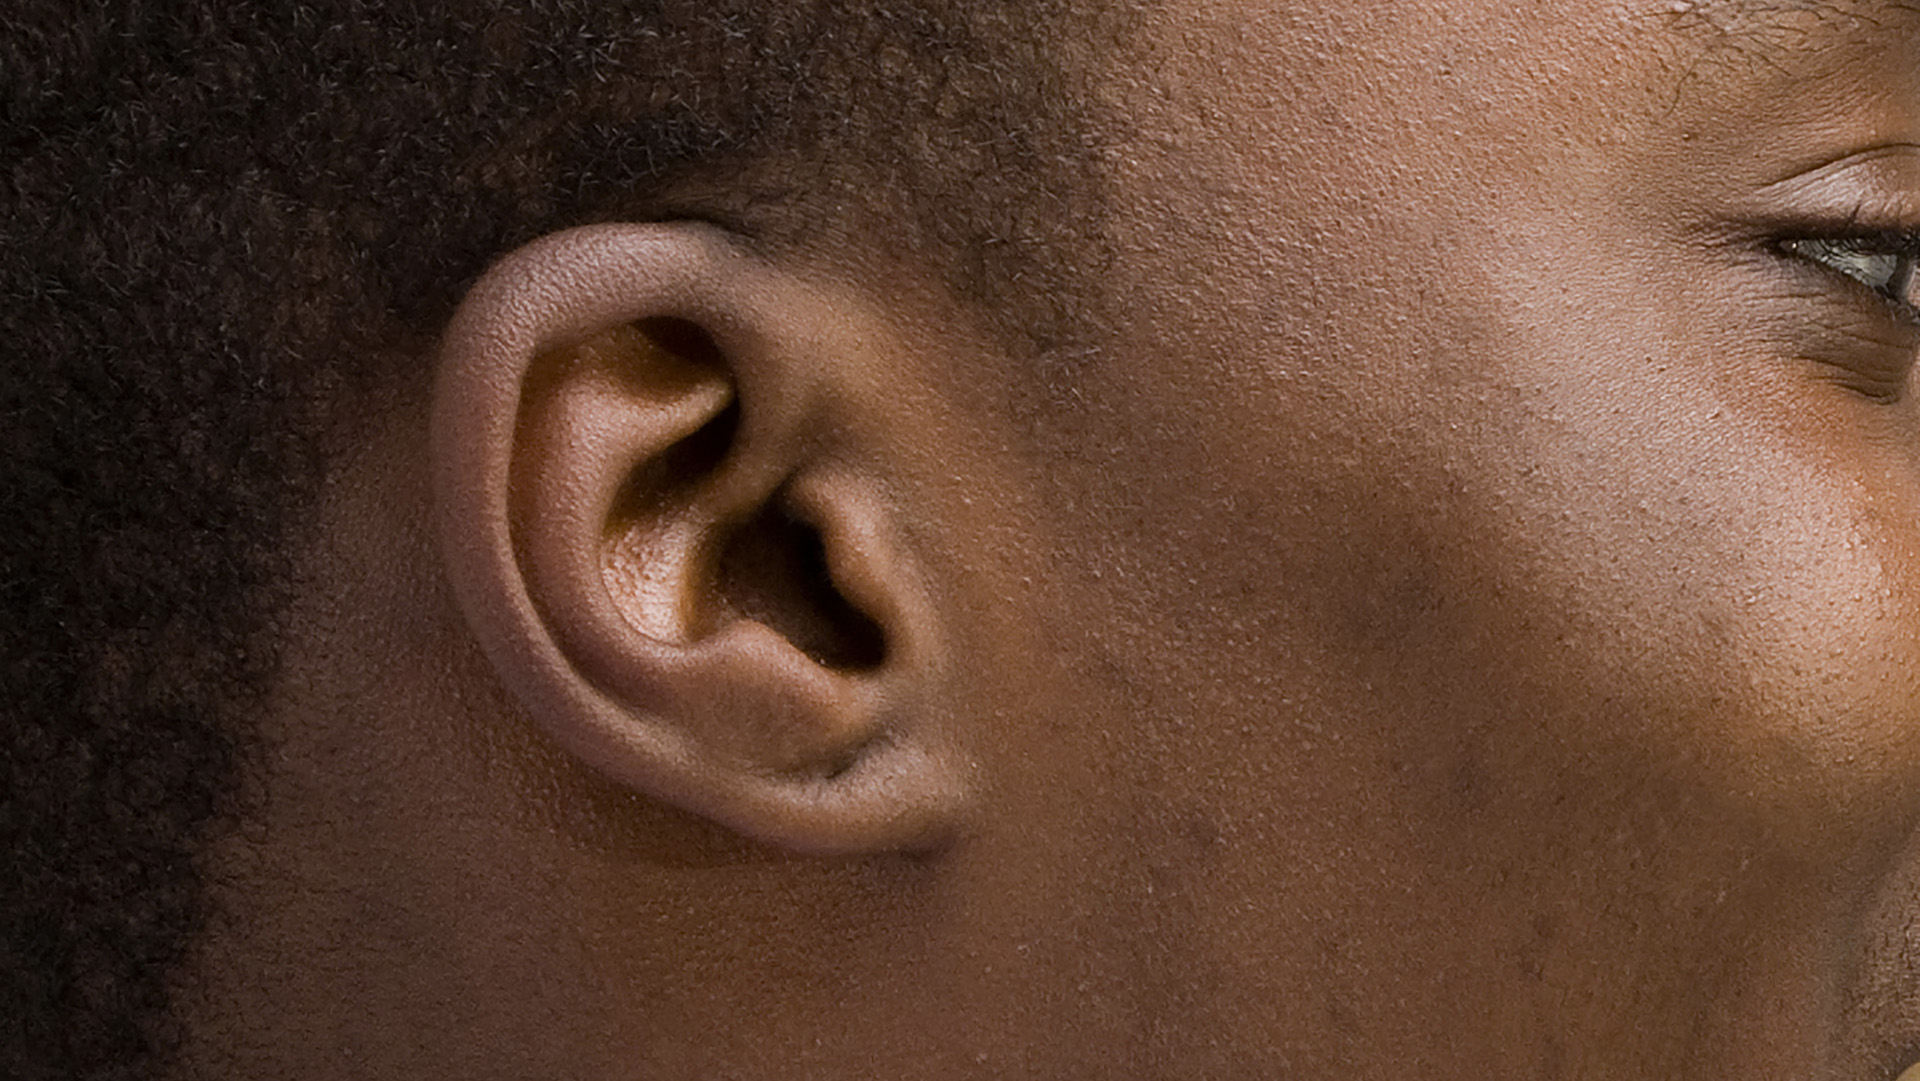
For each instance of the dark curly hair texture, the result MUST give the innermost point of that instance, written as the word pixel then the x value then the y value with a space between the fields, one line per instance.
pixel 213 213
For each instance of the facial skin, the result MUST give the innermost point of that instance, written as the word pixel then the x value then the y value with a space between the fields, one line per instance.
pixel 1601 568
pixel 1465 623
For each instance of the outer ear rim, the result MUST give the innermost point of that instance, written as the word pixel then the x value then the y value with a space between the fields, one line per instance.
pixel 896 794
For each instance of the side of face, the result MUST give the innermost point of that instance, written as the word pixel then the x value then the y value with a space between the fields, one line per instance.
pixel 1511 554
pixel 1463 623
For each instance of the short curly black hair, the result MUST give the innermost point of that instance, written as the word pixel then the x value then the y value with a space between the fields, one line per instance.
pixel 213 213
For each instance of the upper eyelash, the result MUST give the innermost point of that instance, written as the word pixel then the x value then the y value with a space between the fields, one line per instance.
pixel 1889 240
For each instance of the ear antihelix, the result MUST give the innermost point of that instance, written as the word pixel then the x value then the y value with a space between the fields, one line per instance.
pixel 616 435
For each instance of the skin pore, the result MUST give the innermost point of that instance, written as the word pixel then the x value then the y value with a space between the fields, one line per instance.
pixel 1463 621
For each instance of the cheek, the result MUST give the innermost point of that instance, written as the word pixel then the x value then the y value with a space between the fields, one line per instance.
pixel 1567 533
pixel 1672 567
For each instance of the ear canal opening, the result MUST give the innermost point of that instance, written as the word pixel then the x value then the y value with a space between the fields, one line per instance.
pixel 773 570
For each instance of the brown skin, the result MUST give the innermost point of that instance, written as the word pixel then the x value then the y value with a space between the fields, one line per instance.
pixel 1467 624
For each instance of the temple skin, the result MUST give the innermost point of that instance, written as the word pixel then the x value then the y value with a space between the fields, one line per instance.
pixel 1462 622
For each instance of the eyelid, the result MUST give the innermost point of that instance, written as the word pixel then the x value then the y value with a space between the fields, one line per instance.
pixel 1873 195
pixel 1856 217
pixel 1881 177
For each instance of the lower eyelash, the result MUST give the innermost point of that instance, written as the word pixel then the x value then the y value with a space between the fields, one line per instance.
pixel 1884 262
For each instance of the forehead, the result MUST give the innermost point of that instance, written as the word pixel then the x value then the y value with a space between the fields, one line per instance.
pixel 1316 167
pixel 1314 32
pixel 1492 82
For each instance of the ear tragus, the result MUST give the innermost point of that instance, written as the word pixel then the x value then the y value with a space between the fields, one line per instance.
pixel 656 558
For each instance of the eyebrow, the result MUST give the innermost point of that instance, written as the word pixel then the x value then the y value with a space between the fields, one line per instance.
pixel 1743 17
pixel 1762 11
pixel 1759 29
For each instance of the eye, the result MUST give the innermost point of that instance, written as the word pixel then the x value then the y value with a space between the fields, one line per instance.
pixel 1884 264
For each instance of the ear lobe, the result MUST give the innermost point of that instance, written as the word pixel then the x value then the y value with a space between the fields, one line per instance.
pixel 671 551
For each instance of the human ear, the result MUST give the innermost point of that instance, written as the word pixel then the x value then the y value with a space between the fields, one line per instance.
pixel 667 534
